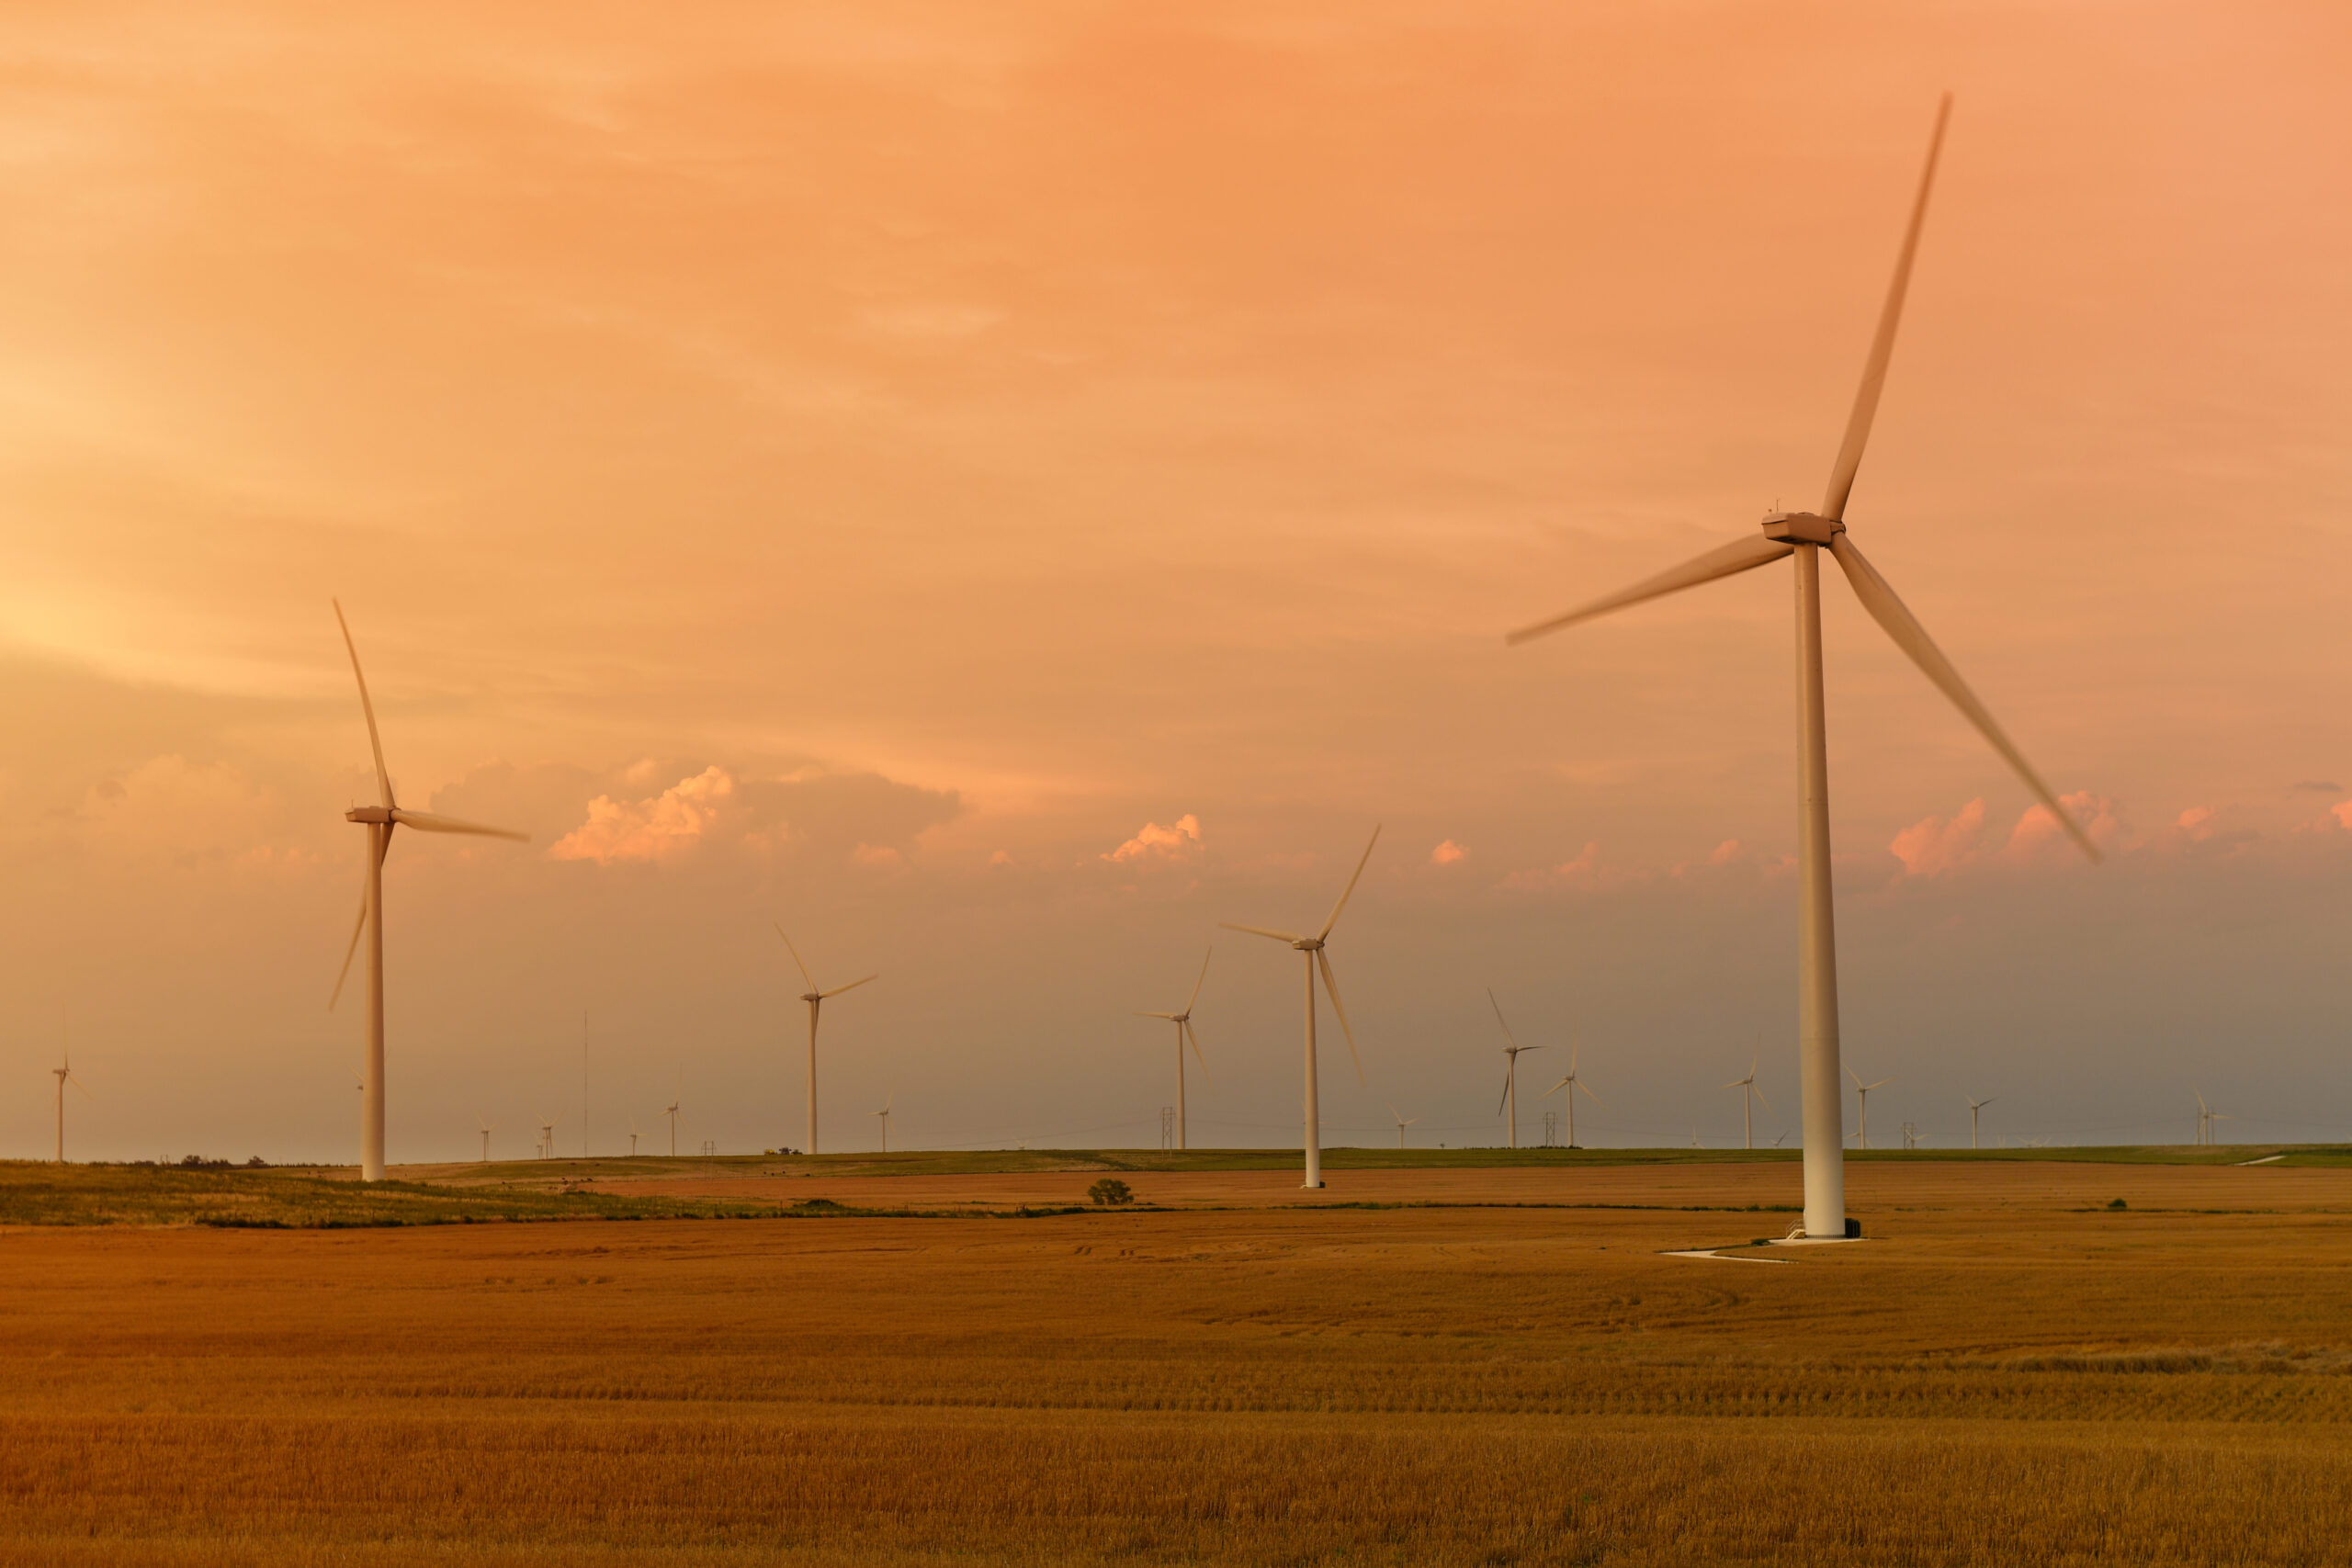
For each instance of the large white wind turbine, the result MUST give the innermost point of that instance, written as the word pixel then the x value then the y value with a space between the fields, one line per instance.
pixel 1804 535
pixel 671 1111
pixel 1183 1022
pixel 1312 946
pixel 1402 1122
pixel 1862 1096
pixel 1749 1094
pixel 1510 1074
pixel 547 1135
pixel 65 1076
pixel 486 1131
pixel 884 1114
pixel 1572 1084
pixel 815 998
pixel 380 820
pixel 1973 1107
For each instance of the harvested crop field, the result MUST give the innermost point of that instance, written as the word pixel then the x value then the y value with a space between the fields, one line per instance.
pixel 2008 1371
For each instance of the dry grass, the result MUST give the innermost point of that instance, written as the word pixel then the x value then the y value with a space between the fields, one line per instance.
pixel 2008 1372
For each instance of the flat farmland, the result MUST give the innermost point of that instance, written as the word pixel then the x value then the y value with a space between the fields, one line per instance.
pixel 1501 1366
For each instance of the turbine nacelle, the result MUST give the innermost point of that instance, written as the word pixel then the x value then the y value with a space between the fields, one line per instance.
pixel 372 814
pixel 1803 528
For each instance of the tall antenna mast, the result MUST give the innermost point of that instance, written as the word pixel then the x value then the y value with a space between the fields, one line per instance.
pixel 583 1083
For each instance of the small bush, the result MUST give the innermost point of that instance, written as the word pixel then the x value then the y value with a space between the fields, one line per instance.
pixel 1111 1191
pixel 2119 1203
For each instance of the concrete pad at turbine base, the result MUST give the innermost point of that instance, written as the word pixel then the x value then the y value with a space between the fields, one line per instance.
pixel 1814 1241
pixel 1727 1254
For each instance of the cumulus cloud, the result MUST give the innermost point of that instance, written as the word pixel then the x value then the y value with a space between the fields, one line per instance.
pixel 2197 822
pixel 1583 870
pixel 1447 854
pixel 1726 852
pixel 1934 845
pixel 2342 812
pixel 2037 830
pixel 877 857
pixel 1155 842
pixel 657 828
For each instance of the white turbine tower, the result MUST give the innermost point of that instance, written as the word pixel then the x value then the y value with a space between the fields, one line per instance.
pixel 1511 1072
pixel 884 1114
pixel 65 1076
pixel 671 1111
pixel 1804 535
pixel 1572 1084
pixel 1973 1107
pixel 486 1131
pixel 1749 1094
pixel 380 820
pixel 633 1136
pixel 815 998
pixel 1402 1122
pixel 1862 1093
pixel 1312 946
pixel 546 1136
pixel 1183 1022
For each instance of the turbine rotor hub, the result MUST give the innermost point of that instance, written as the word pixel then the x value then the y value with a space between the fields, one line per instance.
pixel 812 996
pixel 368 814
pixel 1308 944
pixel 1801 528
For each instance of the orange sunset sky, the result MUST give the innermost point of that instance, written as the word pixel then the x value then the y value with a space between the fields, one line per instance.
pixel 1001 489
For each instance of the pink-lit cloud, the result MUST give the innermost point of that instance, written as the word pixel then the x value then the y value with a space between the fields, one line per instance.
pixel 1582 871
pixel 656 829
pixel 1934 845
pixel 2038 832
pixel 1447 854
pixel 1155 842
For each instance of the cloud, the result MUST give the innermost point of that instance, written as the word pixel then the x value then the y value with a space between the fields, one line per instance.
pixel 2197 822
pixel 2342 812
pixel 1934 845
pixel 877 857
pixel 1583 870
pixel 2320 786
pixel 2037 829
pixel 1726 852
pixel 1155 842
pixel 1447 854
pixel 656 829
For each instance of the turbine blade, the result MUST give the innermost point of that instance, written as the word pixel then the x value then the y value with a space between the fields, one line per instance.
pixel 1170 1016
pixel 1506 1094
pixel 1331 990
pixel 1187 1027
pixel 1498 1017
pixel 795 957
pixel 1348 891
pixel 352 952
pixel 383 776
pixel 1724 560
pixel 1588 1093
pixel 853 985
pixel 1556 1089
pixel 1261 931
pixel 1858 423
pixel 1759 1094
pixel 1196 983
pixel 1908 635
pixel 425 822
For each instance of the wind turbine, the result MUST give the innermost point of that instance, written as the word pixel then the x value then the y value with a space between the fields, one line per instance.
pixel 65 1076
pixel 1749 1096
pixel 1402 1122
pixel 1183 1022
pixel 1973 1107
pixel 884 1114
pixel 1572 1084
pixel 632 1137
pixel 546 1136
pixel 815 998
pixel 1312 946
pixel 486 1131
pixel 671 1111
pixel 380 820
pixel 1804 535
pixel 1510 1074
pixel 1863 1094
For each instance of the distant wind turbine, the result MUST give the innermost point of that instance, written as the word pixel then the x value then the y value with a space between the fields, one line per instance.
pixel 1749 1096
pixel 1863 1092
pixel 65 1076
pixel 884 1114
pixel 1973 1107
pixel 633 1135
pixel 546 1136
pixel 1574 1085
pixel 816 999
pixel 1183 1022
pixel 1805 536
pixel 486 1131
pixel 1402 1122
pixel 1312 946
pixel 380 821
pixel 1511 1072
pixel 671 1111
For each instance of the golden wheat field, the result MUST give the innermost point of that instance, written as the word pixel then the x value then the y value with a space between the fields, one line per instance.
pixel 2008 1371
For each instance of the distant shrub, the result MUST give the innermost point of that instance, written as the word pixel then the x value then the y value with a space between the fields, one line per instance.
pixel 1111 1191
pixel 2119 1203
pixel 255 1163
